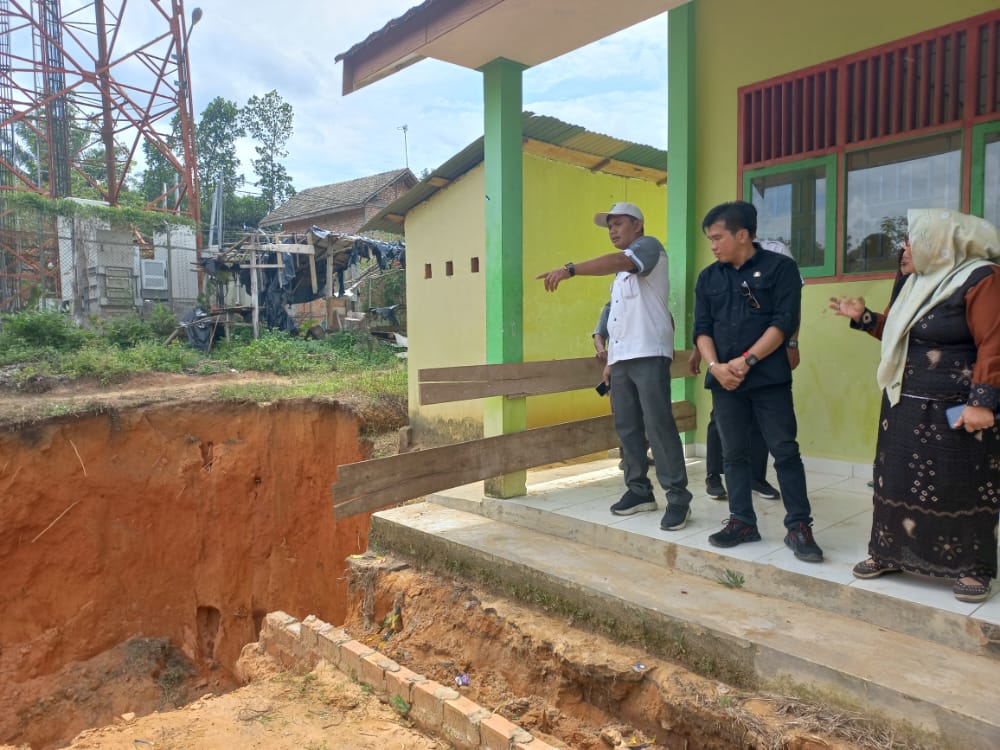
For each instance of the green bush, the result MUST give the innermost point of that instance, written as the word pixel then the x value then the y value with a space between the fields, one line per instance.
pixel 162 320
pixel 127 331
pixel 42 330
pixel 152 356
pixel 100 360
pixel 279 353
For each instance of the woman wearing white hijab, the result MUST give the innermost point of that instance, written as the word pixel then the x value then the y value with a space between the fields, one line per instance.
pixel 937 485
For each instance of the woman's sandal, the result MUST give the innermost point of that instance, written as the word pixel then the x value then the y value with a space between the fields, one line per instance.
pixel 872 568
pixel 972 592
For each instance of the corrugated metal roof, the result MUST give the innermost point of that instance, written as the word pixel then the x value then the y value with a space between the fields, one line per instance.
pixel 595 150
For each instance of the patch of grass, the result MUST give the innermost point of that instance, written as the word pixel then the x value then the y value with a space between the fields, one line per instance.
pixel 101 360
pixel 400 706
pixel 731 579
pixel 45 344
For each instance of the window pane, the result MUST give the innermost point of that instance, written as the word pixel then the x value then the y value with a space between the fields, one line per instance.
pixel 991 179
pixel 791 207
pixel 882 183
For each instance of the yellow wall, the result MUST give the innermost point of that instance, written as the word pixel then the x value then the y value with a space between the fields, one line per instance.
pixel 837 399
pixel 446 315
pixel 560 201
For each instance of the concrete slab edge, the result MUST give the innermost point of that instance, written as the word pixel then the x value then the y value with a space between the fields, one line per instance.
pixel 723 656
pixel 946 628
pixel 439 710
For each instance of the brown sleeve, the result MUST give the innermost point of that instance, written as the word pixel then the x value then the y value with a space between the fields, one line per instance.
pixel 982 312
pixel 872 322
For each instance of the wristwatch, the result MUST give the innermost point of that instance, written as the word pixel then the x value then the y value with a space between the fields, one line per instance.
pixel 571 268
pixel 792 343
pixel 750 359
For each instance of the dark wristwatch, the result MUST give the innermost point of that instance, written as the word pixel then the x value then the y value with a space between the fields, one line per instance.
pixel 571 268
pixel 750 359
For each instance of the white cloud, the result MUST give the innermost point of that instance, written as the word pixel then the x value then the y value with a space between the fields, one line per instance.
pixel 616 86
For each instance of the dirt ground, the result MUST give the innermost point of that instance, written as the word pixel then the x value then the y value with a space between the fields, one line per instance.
pixel 569 687
pixel 50 398
pixel 321 710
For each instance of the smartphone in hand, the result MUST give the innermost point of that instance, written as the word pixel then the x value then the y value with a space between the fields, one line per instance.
pixel 952 413
pixel 602 388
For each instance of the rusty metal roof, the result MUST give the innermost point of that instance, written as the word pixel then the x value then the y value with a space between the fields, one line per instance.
pixel 545 136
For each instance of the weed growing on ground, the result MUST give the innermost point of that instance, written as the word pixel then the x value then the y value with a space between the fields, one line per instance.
pixel 731 579
pixel 400 706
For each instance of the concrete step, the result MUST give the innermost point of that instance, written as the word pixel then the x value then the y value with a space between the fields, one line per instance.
pixel 561 507
pixel 769 642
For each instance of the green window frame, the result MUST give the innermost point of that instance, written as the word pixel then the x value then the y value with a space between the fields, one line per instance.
pixel 988 132
pixel 919 172
pixel 827 231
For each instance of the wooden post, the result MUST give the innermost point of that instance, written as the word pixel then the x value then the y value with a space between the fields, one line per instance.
pixel 330 322
pixel 254 293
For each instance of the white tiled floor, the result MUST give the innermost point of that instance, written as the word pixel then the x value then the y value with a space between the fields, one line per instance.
pixel 842 519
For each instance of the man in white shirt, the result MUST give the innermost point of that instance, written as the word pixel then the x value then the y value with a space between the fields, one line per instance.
pixel 640 349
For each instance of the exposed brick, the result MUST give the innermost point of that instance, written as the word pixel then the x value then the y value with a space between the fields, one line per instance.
pixel 308 631
pixel 496 733
pixel 373 670
pixel 533 744
pixel 351 654
pixel 328 643
pixel 427 706
pixel 461 722
pixel 400 683
pixel 281 636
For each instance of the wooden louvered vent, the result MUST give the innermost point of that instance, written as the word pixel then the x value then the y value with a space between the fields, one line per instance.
pixel 917 84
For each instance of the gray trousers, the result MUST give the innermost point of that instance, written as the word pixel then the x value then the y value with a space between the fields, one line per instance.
pixel 640 403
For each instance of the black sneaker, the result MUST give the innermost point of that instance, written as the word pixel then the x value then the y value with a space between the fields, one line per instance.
pixel 675 518
pixel 763 489
pixel 733 533
pixel 632 503
pixel 714 488
pixel 800 541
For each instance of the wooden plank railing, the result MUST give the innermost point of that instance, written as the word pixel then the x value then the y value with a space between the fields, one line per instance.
pixel 368 486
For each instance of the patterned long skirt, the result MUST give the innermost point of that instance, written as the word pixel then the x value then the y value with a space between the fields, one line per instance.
pixel 937 492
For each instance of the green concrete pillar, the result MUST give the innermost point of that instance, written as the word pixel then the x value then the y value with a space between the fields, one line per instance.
pixel 504 175
pixel 683 226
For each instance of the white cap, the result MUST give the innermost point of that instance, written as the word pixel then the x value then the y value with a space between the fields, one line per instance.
pixel 619 209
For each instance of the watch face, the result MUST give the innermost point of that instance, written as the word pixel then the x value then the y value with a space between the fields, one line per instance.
pixel 751 360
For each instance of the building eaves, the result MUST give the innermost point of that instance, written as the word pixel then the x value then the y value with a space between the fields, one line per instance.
pixel 547 137
pixel 334 198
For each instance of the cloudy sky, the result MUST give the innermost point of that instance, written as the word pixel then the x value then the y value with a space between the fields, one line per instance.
pixel 240 48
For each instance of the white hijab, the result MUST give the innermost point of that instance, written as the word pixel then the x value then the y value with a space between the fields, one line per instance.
pixel 946 247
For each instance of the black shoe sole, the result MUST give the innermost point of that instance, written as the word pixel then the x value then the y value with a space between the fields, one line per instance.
pixel 735 542
pixel 678 526
pixel 804 556
pixel 640 508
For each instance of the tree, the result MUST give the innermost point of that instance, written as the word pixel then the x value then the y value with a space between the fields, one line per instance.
pixel 216 135
pixel 269 120
pixel 160 174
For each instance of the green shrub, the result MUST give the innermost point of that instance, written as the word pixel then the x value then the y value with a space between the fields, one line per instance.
pixel 162 320
pixel 279 353
pixel 100 360
pixel 127 330
pixel 43 329
pixel 153 356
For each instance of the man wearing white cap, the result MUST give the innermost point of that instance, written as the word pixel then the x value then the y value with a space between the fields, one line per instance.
pixel 640 349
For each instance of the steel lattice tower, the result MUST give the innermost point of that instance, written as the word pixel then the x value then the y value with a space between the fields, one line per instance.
pixel 101 78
